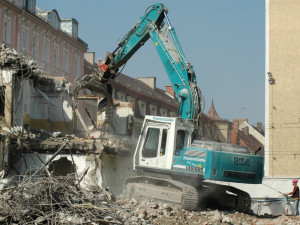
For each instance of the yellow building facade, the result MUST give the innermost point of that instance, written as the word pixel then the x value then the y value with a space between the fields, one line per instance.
pixel 282 153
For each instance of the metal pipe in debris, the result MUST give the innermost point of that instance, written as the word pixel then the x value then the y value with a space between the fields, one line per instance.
pixel 49 160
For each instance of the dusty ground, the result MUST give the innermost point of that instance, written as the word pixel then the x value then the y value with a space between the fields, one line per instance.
pixel 149 212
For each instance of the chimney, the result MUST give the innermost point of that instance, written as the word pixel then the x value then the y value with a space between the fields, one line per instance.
pixel 245 130
pixel 259 126
pixel 90 57
pixel 150 81
pixel 170 90
pixel 235 125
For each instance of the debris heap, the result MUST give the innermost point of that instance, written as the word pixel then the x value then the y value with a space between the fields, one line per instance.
pixel 58 200
pixel 22 65
pixel 62 200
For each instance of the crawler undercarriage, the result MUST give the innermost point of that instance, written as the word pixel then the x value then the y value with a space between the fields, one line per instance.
pixel 190 195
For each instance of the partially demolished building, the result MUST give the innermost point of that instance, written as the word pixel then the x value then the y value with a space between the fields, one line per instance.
pixel 40 128
pixel 38 98
pixel 30 142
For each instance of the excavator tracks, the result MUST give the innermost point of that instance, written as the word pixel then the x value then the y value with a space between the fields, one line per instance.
pixel 187 196
pixel 162 189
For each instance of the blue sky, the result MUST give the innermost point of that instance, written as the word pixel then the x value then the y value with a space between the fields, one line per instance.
pixel 223 39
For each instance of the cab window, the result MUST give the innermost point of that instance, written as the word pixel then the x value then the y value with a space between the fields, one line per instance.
pixel 180 141
pixel 163 142
pixel 151 143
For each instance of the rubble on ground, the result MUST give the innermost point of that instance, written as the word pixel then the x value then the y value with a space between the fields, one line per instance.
pixel 55 200
pixel 63 200
pixel 151 212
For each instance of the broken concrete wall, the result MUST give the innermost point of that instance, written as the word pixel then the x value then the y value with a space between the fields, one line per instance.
pixel 116 168
pixel 33 149
pixel 87 107
pixel 33 111
pixel 50 117
pixel 18 104
pixel 28 95
pixel 6 100
pixel 28 163
pixel 118 119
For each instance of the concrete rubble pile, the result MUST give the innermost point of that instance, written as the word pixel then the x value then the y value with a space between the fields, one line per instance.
pixel 63 200
pixel 58 200
pixel 22 65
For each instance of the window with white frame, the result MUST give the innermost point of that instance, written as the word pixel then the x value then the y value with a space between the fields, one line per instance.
pixel 66 60
pixel 25 39
pixel 75 30
pixel 54 20
pixel 121 96
pixel 6 29
pixel 56 55
pixel 46 50
pixel 153 109
pixel 142 107
pixel 77 66
pixel 35 45
pixel 163 112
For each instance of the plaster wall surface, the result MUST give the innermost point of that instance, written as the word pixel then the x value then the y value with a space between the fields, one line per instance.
pixel 282 121
pixel 116 169
pixel 222 131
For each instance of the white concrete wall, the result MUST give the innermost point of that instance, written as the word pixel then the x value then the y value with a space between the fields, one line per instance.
pixel 118 120
pixel 30 162
pixel 116 169
pixel 40 108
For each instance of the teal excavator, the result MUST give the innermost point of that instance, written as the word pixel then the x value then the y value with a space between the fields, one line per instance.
pixel 171 165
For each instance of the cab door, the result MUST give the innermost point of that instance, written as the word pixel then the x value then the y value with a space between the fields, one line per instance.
pixel 153 152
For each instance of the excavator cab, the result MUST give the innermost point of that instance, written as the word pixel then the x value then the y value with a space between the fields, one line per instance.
pixel 161 139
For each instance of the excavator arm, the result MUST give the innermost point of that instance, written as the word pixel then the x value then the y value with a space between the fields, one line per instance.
pixel 180 72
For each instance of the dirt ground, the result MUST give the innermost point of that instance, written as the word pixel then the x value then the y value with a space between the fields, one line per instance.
pixel 150 212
